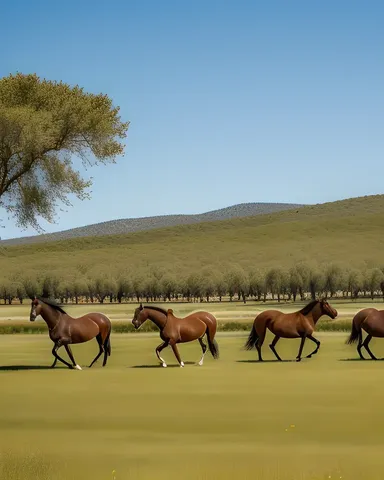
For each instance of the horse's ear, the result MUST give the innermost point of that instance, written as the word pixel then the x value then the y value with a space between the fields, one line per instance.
pixel 141 306
pixel 169 311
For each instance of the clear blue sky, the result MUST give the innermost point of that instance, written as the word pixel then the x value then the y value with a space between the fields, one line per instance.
pixel 229 101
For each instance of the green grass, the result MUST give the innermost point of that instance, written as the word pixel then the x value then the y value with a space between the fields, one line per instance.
pixel 229 419
pixel 350 230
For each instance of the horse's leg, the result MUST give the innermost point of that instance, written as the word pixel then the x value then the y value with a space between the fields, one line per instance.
pixel 54 363
pixel 365 344
pixel 317 347
pixel 54 353
pixel 204 348
pixel 101 349
pixel 360 345
pixel 272 347
pixel 159 349
pixel 70 355
pixel 176 352
pixel 298 358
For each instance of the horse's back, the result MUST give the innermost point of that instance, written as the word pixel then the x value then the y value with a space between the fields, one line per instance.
pixel 268 315
pixel 206 317
pixel 287 325
pixel 82 329
pixel 371 320
pixel 92 324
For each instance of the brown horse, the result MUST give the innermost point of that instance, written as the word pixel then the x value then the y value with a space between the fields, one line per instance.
pixel 300 324
pixel 372 321
pixel 175 330
pixel 64 330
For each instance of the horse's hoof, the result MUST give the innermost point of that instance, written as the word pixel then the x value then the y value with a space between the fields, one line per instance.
pixel 164 364
pixel 298 359
pixel 200 363
pixel 77 367
pixel 309 356
pixel 181 364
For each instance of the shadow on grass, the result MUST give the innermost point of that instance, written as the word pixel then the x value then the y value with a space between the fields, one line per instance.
pixel 360 360
pixel 26 367
pixel 173 365
pixel 266 361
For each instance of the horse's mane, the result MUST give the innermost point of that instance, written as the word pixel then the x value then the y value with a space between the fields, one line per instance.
pixel 51 303
pixel 161 310
pixel 308 308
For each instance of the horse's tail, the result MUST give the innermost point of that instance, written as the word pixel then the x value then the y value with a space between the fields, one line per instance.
pixel 212 344
pixel 355 332
pixel 252 339
pixel 108 344
pixel 107 341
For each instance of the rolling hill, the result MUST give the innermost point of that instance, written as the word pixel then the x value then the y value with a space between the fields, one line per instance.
pixel 349 232
pixel 129 225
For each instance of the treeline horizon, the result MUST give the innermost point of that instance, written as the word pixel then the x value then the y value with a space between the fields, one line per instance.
pixel 300 282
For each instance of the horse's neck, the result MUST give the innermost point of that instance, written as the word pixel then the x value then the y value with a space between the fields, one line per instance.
pixel 157 318
pixel 315 314
pixel 50 316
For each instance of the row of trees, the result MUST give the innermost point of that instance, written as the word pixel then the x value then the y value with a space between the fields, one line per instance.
pixel 300 282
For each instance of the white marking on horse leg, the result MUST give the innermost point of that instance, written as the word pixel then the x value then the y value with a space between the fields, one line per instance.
pixel 201 360
pixel 78 367
pixel 162 361
pixel 181 364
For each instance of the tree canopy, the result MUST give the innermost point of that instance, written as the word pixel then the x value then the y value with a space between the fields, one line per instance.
pixel 44 126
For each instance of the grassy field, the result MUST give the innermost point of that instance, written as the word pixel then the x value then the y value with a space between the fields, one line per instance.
pixel 231 418
pixel 227 313
pixel 348 231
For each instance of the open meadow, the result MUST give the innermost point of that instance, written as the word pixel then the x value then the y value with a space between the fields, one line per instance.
pixel 230 315
pixel 231 418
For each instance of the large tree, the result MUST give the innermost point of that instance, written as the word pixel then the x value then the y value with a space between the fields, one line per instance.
pixel 44 126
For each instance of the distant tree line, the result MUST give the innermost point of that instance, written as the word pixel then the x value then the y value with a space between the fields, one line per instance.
pixel 301 282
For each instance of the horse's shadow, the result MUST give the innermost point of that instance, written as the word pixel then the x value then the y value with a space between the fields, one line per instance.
pixel 265 361
pixel 360 360
pixel 173 365
pixel 25 367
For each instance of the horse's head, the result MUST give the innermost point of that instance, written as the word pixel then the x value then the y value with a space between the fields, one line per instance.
pixel 140 317
pixel 326 309
pixel 35 309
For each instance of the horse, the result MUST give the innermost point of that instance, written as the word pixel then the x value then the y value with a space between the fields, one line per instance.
pixel 300 324
pixel 65 330
pixel 175 330
pixel 372 321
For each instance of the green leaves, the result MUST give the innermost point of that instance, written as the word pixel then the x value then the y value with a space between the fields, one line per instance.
pixel 43 126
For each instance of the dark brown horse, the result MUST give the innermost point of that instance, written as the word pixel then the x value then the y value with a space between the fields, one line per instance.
pixel 372 321
pixel 300 324
pixel 175 330
pixel 64 330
